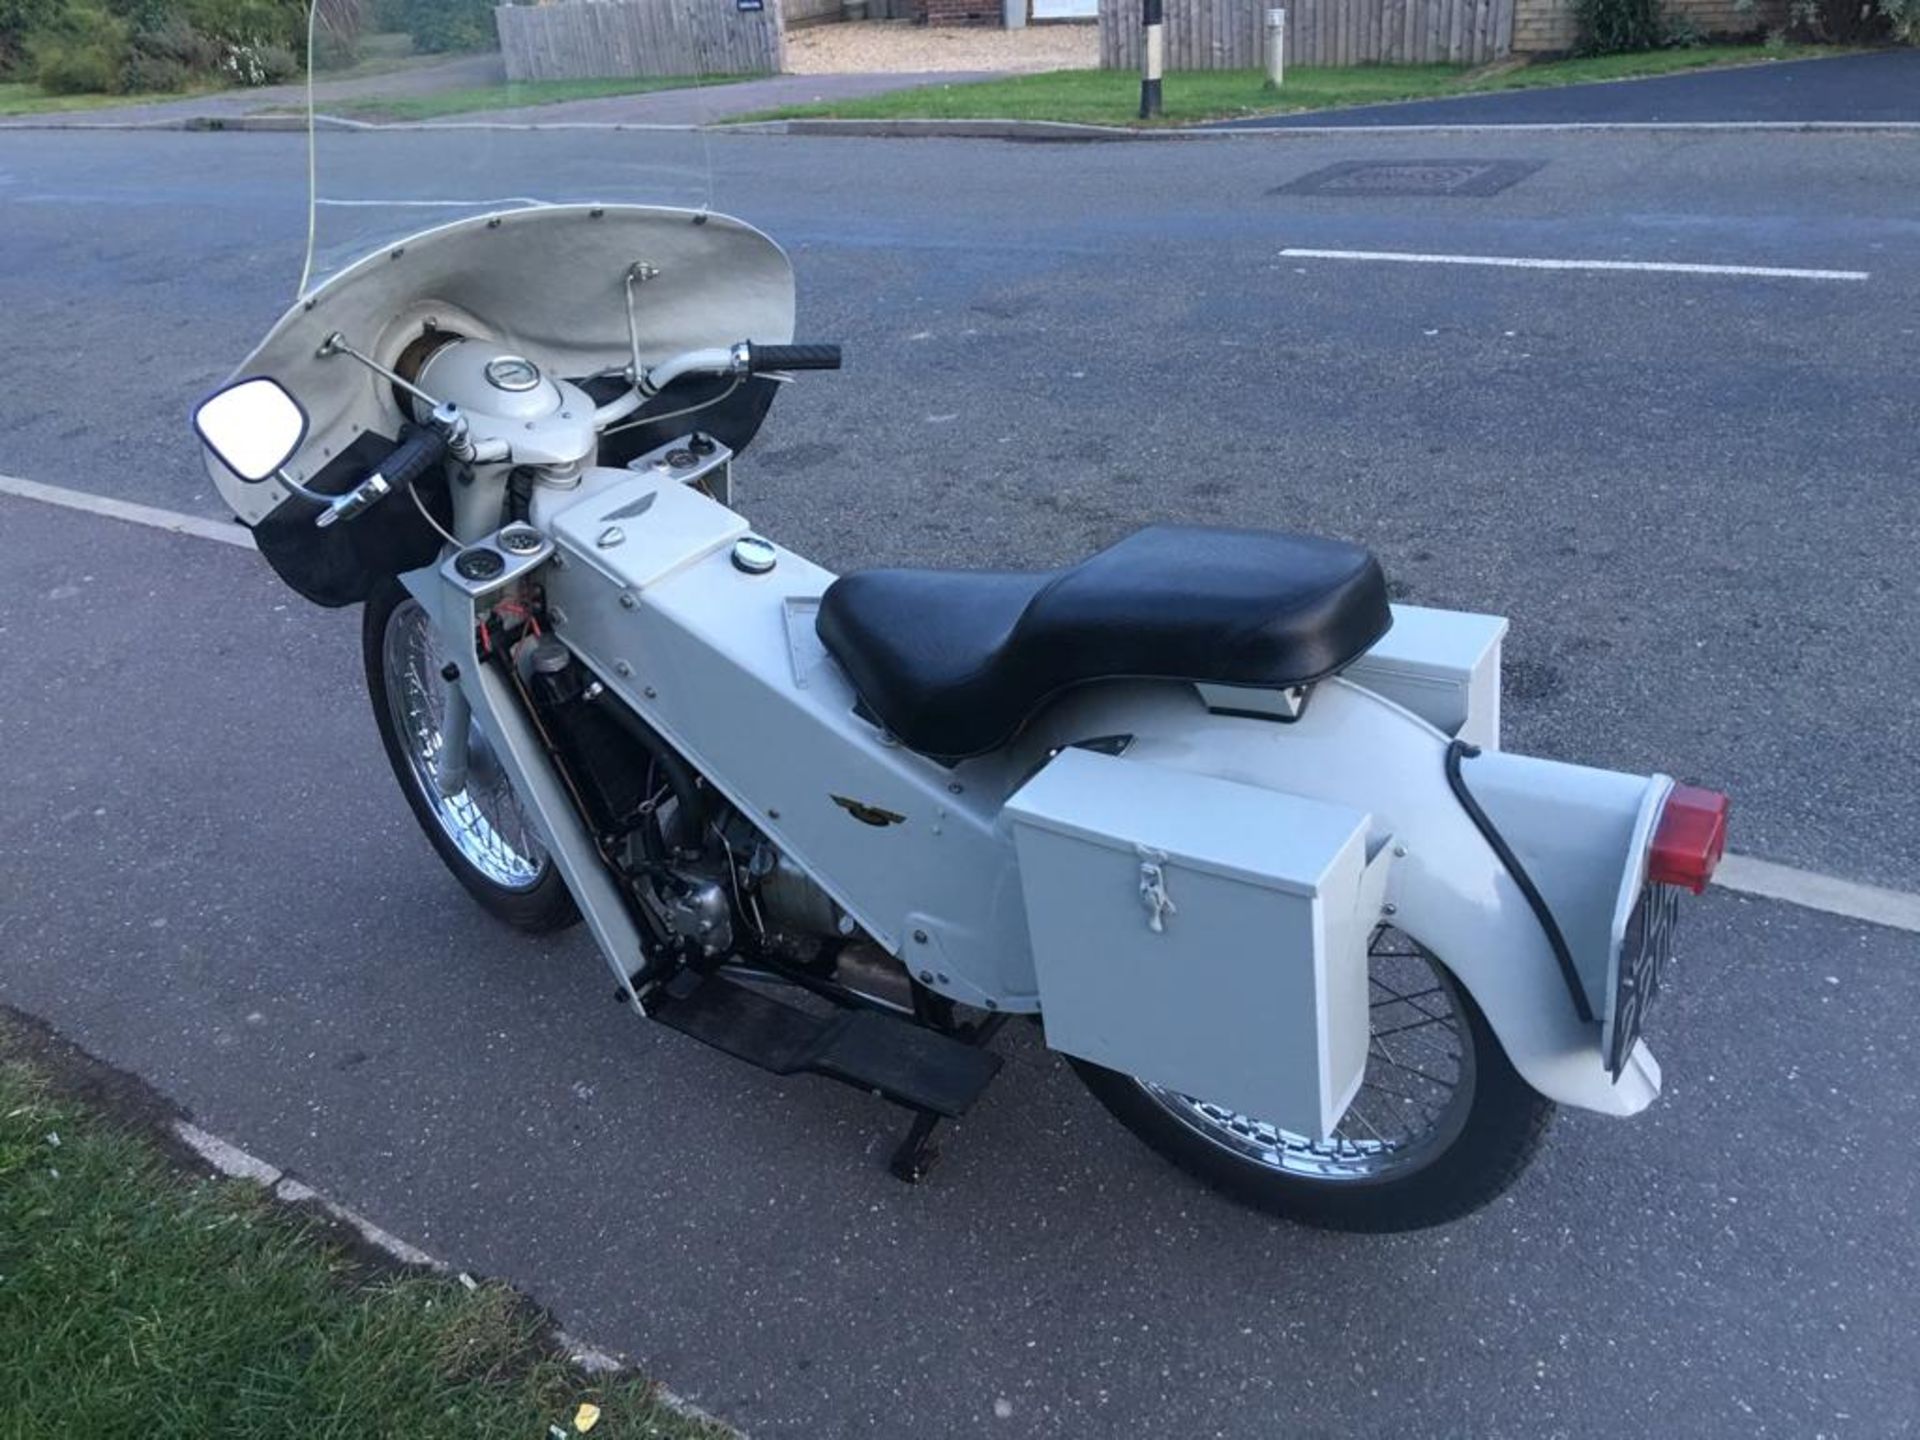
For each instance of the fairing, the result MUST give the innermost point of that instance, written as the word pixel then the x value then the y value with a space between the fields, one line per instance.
pixel 548 283
pixel 511 237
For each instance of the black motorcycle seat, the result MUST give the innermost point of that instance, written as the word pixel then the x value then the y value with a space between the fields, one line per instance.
pixel 954 662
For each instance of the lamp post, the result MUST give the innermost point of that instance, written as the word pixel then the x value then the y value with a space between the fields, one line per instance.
pixel 1152 58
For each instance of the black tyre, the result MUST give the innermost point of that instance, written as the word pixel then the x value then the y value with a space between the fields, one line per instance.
pixel 1442 1125
pixel 482 833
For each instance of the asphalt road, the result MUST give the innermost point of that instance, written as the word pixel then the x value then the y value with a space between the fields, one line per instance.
pixel 1845 89
pixel 1692 493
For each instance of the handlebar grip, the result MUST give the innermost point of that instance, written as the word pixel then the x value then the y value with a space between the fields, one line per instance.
pixel 413 457
pixel 762 358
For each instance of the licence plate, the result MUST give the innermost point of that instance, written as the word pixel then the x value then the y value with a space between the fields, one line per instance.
pixel 1645 950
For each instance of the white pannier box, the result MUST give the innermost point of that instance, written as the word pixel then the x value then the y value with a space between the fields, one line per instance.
pixel 1201 934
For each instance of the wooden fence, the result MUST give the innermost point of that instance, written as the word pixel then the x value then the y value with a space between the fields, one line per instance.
pixel 812 12
pixel 1231 34
pixel 589 39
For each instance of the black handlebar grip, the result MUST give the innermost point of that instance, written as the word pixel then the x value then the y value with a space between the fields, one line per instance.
pixel 792 357
pixel 413 457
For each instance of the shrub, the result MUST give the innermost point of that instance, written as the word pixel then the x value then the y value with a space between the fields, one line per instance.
pixel 254 22
pixel 77 67
pixel 1612 27
pixel 83 50
pixel 336 34
pixel 147 74
pixel 173 41
pixel 1839 22
pixel 1903 18
pixel 438 25
pixel 19 20
pixel 249 62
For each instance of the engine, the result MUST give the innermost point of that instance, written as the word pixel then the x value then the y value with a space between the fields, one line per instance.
pixel 708 877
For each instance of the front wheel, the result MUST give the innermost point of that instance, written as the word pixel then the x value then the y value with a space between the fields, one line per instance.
pixel 481 833
pixel 1442 1125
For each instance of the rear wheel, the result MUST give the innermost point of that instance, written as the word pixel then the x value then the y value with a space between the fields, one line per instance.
pixel 482 833
pixel 1442 1124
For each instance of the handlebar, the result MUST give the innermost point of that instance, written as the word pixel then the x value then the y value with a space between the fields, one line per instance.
pixel 762 358
pixel 416 454
pixel 743 359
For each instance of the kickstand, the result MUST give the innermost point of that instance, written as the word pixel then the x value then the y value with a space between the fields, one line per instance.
pixel 916 1153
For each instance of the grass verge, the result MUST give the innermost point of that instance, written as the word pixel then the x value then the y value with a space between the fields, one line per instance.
pixel 1112 97
pixel 17 98
pixel 514 97
pixel 139 1299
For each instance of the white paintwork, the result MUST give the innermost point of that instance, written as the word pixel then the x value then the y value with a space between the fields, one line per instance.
pixel 1354 748
pixel 710 657
pixel 1064 9
pixel 1249 984
pixel 504 721
pixel 707 655
pixel 1521 262
pixel 1444 666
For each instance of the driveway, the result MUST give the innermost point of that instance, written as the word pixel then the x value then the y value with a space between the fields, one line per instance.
pixel 1877 87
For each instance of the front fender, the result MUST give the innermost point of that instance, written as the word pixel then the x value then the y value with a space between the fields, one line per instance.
pixel 1447 889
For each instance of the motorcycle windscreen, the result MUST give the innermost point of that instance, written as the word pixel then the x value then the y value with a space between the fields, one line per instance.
pixel 586 250
pixel 387 167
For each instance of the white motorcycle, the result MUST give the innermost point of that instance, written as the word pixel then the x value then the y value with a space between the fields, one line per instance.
pixel 1233 829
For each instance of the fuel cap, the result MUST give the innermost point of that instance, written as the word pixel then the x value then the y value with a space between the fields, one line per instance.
pixel 753 555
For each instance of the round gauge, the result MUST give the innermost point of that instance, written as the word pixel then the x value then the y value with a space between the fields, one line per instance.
pixel 753 555
pixel 479 563
pixel 519 539
pixel 512 372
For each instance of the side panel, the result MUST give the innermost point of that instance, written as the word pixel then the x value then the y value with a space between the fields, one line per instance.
pixel 1200 934
pixel 497 711
pixel 1446 887
pixel 724 664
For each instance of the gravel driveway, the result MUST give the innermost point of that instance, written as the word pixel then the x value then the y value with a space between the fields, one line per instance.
pixel 896 47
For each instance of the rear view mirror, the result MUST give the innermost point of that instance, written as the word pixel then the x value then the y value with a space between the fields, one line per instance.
pixel 253 426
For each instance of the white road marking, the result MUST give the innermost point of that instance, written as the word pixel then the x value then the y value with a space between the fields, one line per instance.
pixel 1522 262
pixel 1896 909
pixel 197 526
pixel 1741 874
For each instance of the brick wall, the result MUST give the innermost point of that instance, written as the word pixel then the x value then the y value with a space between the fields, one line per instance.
pixel 1543 27
pixel 963 12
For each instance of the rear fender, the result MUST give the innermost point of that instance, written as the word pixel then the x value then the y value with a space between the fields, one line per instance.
pixel 1580 833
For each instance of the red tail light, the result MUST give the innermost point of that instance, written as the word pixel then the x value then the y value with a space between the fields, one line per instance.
pixel 1690 838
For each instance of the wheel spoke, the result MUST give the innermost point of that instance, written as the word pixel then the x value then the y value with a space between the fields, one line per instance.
pixel 485 821
pixel 1406 1107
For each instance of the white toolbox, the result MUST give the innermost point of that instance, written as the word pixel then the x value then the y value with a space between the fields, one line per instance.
pixel 1200 934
